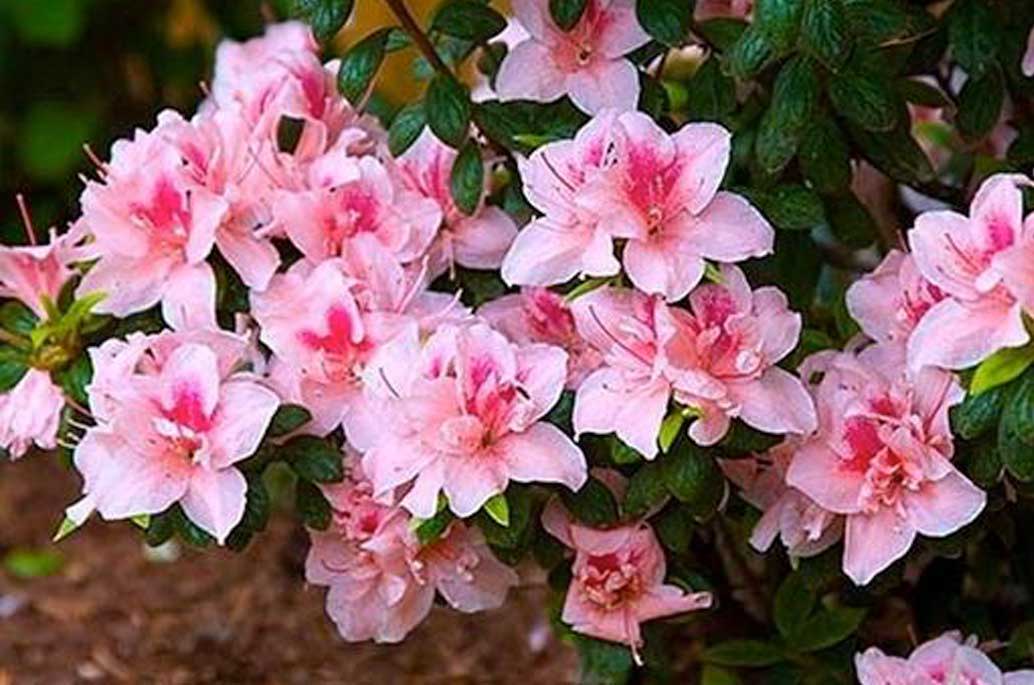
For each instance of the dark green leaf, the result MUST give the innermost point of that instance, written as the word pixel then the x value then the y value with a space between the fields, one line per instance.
pixel 751 53
pixel 646 490
pixel 743 439
pixel 593 504
pixel 12 367
pixel 360 64
pixel 693 477
pixel 603 663
pixel 886 22
pixel 980 104
pixel 824 156
pixel 160 529
pixel 921 93
pixel 256 507
pixel 406 127
pixel 794 96
pixel 721 32
pixel 433 528
pixel 326 17
pixel 977 414
pixel 824 33
pixel 711 94
pixel 982 462
pixel 314 459
pixel 467 181
pixel 850 221
pixel 674 527
pixel 779 20
pixel 288 418
pixel 973 34
pixel 566 13
pixel 1018 413
pixel 745 653
pixel 512 124
pixel 16 318
pixel 895 153
pixel 74 378
pixel 827 628
pixel 469 20
pixel 1001 367
pixel 189 531
pixel 448 109
pixel 518 531
pixel 794 602
pixel 312 506
pixel 665 20
pixel 791 207
pixel 866 98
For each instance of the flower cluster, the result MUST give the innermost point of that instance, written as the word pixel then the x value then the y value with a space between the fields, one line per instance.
pixel 946 659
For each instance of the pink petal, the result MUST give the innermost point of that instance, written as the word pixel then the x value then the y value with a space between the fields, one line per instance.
pixel 542 372
pixel 189 298
pixel 528 72
pixel 1016 265
pixel 254 260
pixel 547 254
pixel 215 500
pixel 872 542
pixel 730 229
pixel 481 242
pixel 941 507
pixel 780 327
pixel 206 213
pixel 940 245
pixel 819 473
pixel 190 384
pixel 655 268
pixel 543 454
pixel 997 212
pixel 703 149
pixel 604 404
pixel 470 482
pixel 955 336
pixel 620 33
pixel 607 84
pixel 129 285
pixel 776 403
pixel 481 587
pixel 245 410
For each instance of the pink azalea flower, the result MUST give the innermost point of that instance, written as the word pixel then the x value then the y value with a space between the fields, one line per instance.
pixel 568 240
pixel 804 528
pixel 31 273
pixel 30 413
pixel 153 228
pixel 662 194
pixel 586 62
pixel 718 358
pixel 382 581
pixel 617 579
pixel 463 419
pixel 348 197
pixel 722 9
pixel 889 302
pixel 538 315
pixel 882 456
pixel 320 338
pixel 984 264
pixel 173 418
pixel 478 241
pixel 1028 56
pixel 943 660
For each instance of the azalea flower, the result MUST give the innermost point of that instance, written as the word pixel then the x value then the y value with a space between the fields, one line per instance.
pixel 804 528
pixel 1028 56
pixel 478 241
pixel 984 264
pixel 568 240
pixel 617 577
pixel 382 581
pixel 30 413
pixel 538 315
pixel 587 62
pixel 463 418
pixel 174 416
pixel 34 272
pixel 722 9
pixel 661 193
pixel 153 227
pixel 946 659
pixel 881 457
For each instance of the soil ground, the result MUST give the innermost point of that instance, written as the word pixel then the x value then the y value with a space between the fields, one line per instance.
pixel 112 615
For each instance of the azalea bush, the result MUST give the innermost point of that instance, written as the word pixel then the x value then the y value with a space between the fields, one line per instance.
pixel 714 317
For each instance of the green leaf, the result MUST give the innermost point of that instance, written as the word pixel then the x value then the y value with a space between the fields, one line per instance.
pixel 67 527
pixel 973 34
pixel 750 54
pixel 12 367
pixel 160 529
pixel 921 93
pixel 406 127
pixel 982 462
pixel 314 459
pixel 287 419
pixel 1018 413
pixel 469 20
pixel 887 22
pixel 977 414
pixel 1001 367
pixel 714 675
pixel 866 98
pixel 312 506
pixel 467 181
pixel 520 513
pixel 27 563
pixel 895 153
pixel 850 221
pixel 794 602
pixel 794 96
pixel 827 628
pixel 665 20
pixel 693 477
pixel 16 318
pixel 593 504
pixel 622 453
pixel 603 663
pixel 674 527
pixel 670 428
pixel 430 530
pixel 742 439
pixel 824 33
pixel 257 506
pixel 791 207
pixel 779 20
pixel 497 508
pixel 711 95
pixel 744 653
pixel 722 32
pixel 360 64
pixel 646 490
pixel 189 531
pixel 448 109
pixel 74 378
pixel 980 104
pixel 566 13
pixel 824 156
pixel 326 17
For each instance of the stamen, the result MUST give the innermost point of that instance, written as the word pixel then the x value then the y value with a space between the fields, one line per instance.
pixel 30 231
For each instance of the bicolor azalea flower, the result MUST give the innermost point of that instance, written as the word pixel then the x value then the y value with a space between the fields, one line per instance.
pixel 881 457
pixel 382 582
pixel 174 417
pixel 478 241
pixel 889 302
pixel 350 196
pixel 661 193
pixel 568 240
pixel 943 660
pixel 320 338
pixel 463 418
pixel 587 62
pixel 153 228
pixel 617 578
pixel 804 528
pixel 538 315
pixel 984 264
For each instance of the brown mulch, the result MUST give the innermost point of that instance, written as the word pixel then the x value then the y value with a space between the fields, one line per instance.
pixel 111 615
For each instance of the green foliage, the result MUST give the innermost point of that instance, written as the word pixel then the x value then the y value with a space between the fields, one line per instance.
pixel 469 20
pixel 326 17
pixel 468 178
pixel 360 64
pixel 665 20
pixel 566 13
pixel 314 459
pixel 448 109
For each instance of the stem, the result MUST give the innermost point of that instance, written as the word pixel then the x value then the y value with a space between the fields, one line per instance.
pixel 398 8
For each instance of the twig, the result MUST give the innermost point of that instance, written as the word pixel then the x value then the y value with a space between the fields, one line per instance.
pixel 398 8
